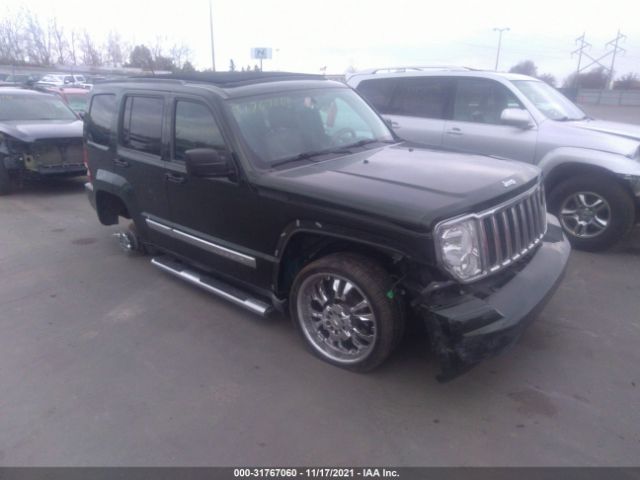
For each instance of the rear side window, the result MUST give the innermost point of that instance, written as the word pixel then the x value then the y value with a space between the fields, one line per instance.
pixel 378 92
pixel 195 127
pixel 142 124
pixel 421 97
pixel 100 118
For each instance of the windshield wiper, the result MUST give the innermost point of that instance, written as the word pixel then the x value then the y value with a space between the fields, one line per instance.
pixel 308 156
pixel 367 141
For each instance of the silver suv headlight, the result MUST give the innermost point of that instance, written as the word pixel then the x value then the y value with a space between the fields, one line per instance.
pixel 458 248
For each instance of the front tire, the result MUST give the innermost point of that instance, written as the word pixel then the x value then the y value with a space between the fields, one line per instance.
pixel 342 308
pixel 595 213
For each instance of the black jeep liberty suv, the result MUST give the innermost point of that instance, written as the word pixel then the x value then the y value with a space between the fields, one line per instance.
pixel 288 191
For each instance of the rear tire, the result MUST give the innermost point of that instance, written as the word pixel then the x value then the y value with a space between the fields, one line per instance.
pixel 595 212
pixel 341 306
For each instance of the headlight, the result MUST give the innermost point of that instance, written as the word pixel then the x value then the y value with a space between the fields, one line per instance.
pixel 458 247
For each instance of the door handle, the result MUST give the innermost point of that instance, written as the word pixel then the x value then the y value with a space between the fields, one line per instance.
pixel 175 178
pixel 454 131
pixel 121 162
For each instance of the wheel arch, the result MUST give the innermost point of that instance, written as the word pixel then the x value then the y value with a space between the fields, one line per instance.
pixel 304 244
pixel 562 163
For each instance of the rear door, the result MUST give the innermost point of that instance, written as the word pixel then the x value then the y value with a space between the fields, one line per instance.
pixel 141 153
pixel 415 107
pixel 476 127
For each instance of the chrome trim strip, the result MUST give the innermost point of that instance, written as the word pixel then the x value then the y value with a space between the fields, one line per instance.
pixel 254 305
pixel 200 243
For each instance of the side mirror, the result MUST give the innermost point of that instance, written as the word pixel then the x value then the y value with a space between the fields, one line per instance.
pixel 208 162
pixel 517 117
pixel 82 114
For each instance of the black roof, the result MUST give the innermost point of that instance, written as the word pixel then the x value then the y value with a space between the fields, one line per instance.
pixel 233 79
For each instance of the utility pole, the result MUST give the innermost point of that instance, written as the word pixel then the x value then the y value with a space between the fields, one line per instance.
pixel 500 31
pixel 614 43
pixel 213 54
pixel 580 50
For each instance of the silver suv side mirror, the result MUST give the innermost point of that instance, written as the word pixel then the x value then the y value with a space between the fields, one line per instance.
pixel 517 117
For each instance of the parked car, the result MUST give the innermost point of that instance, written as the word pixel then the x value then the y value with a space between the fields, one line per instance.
pixel 591 167
pixel 61 80
pixel 40 136
pixel 22 79
pixel 288 191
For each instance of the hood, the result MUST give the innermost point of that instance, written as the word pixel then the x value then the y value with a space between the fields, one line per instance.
pixel 624 130
pixel 621 138
pixel 409 185
pixel 30 131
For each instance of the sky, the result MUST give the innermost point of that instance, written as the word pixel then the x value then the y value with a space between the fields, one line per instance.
pixel 337 34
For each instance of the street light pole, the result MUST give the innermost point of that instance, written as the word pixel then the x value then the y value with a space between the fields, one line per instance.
pixel 213 55
pixel 500 31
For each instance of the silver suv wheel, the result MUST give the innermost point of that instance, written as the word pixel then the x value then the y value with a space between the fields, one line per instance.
pixel 585 214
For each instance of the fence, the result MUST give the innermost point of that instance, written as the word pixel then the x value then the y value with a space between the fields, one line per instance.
pixel 627 98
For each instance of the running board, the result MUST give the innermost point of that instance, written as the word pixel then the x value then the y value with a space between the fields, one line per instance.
pixel 212 285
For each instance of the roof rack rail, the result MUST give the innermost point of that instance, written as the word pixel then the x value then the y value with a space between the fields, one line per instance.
pixel 226 79
pixel 412 68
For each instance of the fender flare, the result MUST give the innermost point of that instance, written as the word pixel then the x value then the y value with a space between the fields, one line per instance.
pixel 300 227
pixel 616 163
pixel 117 185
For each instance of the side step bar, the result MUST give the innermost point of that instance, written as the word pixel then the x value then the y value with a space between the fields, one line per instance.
pixel 212 285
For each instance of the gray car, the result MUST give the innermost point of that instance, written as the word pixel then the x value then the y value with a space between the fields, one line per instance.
pixel 591 167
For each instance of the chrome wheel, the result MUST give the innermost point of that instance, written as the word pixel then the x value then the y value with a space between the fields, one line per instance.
pixel 127 242
pixel 336 317
pixel 585 214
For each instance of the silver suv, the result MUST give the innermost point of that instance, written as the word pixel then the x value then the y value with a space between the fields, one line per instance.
pixel 591 167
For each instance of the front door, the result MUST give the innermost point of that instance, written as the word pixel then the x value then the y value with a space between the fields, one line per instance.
pixel 475 124
pixel 213 217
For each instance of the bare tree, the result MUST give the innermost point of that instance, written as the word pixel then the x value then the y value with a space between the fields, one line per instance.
pixel 73 48
pixel 114 53
pixel 180 54
pixel 60 45
pixel 91 54
pixel 11 38
pixel 38 40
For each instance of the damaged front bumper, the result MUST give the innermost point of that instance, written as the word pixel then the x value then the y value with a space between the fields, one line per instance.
pixel 487 319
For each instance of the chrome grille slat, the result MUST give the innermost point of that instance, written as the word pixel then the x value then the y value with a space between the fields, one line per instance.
pixel 496 239
pixel 509 231
pixel 531 219
pixel 507 234
pixel 517 232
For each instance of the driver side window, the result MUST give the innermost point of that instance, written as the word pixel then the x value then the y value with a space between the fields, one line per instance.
pixel 482 101
pixel 195 127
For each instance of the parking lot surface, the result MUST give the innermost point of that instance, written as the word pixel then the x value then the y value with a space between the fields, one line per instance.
pixel 105 360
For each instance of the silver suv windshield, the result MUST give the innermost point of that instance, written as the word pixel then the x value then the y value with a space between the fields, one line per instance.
pixel 549 101
pixel 285 127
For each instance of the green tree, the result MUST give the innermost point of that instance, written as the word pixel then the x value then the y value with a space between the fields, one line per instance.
pixel 630 81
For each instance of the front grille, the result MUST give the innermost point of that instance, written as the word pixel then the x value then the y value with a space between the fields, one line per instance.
pixel 57 151
pixel 511 230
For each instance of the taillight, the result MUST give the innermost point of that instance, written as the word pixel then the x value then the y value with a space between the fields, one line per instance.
pixel 85 160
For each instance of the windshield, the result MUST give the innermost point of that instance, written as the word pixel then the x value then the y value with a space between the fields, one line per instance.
pixel 296 124
pixel 77 102
pixel 549 101
pixel 33 107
